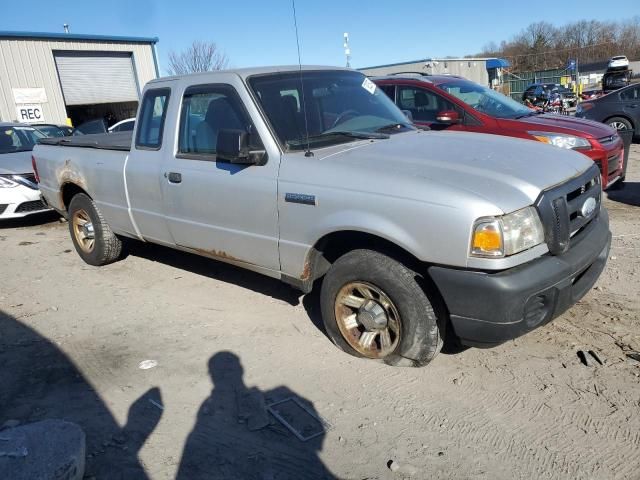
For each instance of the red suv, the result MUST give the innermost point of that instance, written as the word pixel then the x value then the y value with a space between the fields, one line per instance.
pixel 445 102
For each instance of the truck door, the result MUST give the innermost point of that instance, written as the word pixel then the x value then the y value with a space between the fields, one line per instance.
pixel 212 206
pixel 143 168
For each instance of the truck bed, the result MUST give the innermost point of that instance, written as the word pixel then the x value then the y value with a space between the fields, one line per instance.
pixel 104 141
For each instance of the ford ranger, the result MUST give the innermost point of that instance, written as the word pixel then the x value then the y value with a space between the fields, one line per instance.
pixel 313 176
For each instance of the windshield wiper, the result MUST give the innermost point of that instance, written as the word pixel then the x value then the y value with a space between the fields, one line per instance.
pixel 530 114
pixel 392 127
pixel 350 134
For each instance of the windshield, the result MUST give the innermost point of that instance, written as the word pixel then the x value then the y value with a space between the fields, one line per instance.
pixel 485 100
pixel 18 139
pixel 50 130
pixel 340 106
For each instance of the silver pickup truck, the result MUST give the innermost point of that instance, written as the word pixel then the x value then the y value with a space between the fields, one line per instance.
pixel 313 174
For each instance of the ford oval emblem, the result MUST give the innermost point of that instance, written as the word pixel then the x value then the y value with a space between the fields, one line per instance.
pixel 588 207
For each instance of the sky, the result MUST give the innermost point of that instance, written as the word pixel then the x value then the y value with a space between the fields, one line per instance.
pixel 254 32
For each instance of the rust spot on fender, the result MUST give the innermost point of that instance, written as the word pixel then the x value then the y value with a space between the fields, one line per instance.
pixel 306 271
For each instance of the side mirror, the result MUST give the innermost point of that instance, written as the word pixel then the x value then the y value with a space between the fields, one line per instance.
pixel 233 146
pixel 408 114
pixel 448 117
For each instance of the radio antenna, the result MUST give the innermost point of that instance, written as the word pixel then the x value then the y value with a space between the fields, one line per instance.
pixel 308 153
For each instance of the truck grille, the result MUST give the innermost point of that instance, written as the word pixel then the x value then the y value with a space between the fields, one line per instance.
pixel 566 209
pixel 34 206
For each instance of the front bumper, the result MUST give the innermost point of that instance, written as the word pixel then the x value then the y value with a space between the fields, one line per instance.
pixel 610 162
pixel 20 201
pixel 487 309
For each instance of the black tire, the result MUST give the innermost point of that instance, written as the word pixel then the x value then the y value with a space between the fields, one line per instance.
pixel 107 247
pixel 422 330
pixel 619 120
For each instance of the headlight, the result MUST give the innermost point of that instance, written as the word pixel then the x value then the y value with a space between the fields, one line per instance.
pixel 560 140
pixel 507 235
pixel 6 183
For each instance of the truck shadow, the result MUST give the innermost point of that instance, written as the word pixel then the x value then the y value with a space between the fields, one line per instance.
pixel 215 270
pixel 40 382
pixel 629 194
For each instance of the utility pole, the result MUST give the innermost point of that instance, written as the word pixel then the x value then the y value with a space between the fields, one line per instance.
pixel 347 50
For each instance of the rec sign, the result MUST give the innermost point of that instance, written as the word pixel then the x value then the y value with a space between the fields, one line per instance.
pixel 29 113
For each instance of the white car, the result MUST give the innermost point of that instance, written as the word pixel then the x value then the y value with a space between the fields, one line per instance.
pixel 619 61
pixel 123 126
pixel 19 193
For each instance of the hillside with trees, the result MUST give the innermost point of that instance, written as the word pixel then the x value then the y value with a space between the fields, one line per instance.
pixel 542 46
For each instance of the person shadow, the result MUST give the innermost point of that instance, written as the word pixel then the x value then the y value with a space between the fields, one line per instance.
pixel 39 381
pixel 235 437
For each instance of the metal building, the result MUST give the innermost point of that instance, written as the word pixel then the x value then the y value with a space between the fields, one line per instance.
pixel 484 71
pixel 61 78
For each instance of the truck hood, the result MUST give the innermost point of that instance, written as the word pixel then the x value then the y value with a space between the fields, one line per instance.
pixel 15 163
pixel 507 172
pixel 561 124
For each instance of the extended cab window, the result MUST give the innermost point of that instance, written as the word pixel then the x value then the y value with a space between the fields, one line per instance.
pixel 152 117
pixel 206 110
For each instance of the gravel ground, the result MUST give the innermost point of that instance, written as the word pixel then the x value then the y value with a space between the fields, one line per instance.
pixel 221 342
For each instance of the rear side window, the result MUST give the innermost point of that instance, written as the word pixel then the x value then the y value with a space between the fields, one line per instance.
pixel 152 117
pixel 630 94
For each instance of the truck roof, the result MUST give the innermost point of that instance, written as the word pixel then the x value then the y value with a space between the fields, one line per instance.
pixel 247 72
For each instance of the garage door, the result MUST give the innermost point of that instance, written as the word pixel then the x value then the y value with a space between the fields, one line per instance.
pixel 96 77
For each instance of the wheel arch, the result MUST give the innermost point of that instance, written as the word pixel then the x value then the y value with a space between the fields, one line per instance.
pixel 68 191
pixel 333 245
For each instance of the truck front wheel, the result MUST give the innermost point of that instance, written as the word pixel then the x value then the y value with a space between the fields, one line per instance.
pixel 373 307
pixel 93 239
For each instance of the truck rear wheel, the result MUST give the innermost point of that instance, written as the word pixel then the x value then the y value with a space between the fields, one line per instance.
pixel 93 239
pixel 373 307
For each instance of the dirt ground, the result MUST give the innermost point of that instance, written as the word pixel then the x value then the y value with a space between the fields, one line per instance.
pixel 72 338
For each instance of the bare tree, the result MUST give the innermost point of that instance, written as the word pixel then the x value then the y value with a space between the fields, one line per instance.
pixel 544 46
pixel 199 57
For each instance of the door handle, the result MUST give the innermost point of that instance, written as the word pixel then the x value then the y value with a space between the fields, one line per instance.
pixel 173 177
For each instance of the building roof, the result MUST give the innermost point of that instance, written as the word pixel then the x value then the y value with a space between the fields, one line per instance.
pixel 490 60
pixel 76 37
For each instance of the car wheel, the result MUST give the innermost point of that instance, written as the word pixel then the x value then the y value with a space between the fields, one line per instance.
pixel 619 123
pixel 93 239
pixel 373 307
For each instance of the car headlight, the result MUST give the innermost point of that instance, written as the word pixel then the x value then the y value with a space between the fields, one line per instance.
pixel 6 183
pixel 561 140
pixel 496 237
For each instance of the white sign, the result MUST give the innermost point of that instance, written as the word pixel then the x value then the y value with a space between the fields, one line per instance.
pixel 29 113
pixel 369 86
pixel 29 95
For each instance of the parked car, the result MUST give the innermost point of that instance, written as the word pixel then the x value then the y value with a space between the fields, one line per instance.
pixel 19 194
pixel 123 126
pixel 619 109
pixel 415 234
pixel 52 130
pixel 454 103
pixel 619 61
pixel 615 80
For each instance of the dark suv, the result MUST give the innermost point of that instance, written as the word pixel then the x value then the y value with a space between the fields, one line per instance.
pixel 620 109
